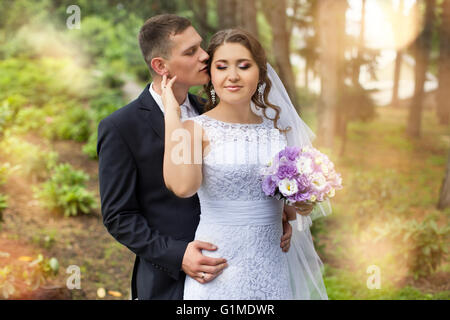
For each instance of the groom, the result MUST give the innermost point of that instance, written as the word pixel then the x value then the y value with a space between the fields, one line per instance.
pixel 138 210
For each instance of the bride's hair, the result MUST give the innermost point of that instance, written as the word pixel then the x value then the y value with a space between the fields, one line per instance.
pixel 244 38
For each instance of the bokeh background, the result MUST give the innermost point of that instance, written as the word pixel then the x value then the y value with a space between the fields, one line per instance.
pixel 370 77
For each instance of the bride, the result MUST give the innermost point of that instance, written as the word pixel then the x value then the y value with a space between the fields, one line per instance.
pixel 222 152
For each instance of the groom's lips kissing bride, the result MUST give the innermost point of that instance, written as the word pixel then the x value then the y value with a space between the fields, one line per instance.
pixel 137 208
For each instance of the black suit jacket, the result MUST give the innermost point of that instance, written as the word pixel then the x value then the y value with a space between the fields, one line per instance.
pixel 138 210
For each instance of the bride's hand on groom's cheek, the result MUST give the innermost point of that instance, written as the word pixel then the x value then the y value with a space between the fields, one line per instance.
pixel 200 267
pixel 167 95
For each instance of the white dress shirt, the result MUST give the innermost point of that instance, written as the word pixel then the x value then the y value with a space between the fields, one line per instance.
pixel 187 110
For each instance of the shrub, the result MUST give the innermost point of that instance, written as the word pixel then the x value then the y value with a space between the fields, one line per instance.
pixel 73 124
pixel 66 192
pixel 3 205
pixel 421 246
pixel 90 148
pixel 24 275
pixel 29 159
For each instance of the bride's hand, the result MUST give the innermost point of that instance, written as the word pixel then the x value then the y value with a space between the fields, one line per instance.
pixel 167 96
pixel 304 208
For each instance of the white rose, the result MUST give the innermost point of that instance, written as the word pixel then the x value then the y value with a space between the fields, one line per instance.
pixel 288 187
pixel 319 181
pixel 304 165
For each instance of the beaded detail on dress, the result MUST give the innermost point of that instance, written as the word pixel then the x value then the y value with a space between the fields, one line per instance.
pixel 237 152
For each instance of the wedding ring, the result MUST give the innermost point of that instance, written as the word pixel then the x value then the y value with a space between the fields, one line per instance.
pixel 203 275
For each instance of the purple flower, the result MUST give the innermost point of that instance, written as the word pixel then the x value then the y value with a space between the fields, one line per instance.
pixel 286 170
pixel 302 182
pixel 289 152
pixel 269 186
pixel 302 196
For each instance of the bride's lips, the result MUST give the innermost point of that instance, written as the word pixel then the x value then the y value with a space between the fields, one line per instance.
pixel 233 88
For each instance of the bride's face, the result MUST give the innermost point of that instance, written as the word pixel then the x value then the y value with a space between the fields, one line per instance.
pixel 234 73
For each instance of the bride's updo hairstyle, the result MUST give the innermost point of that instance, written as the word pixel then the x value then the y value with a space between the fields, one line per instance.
pixel 248 41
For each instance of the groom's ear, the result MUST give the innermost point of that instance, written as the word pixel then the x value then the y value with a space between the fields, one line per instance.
pixel 158 64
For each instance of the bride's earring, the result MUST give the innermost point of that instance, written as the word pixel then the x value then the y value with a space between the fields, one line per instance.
pixel 261 91
pixel 213 96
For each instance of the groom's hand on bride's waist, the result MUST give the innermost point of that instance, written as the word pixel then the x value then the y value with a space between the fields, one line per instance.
pixel 199 267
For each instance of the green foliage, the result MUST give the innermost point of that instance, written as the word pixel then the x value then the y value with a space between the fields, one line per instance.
pixel 31 160
pixel 343 284
pixel 3 205
pixel 7 282
pixel 6 116
pixel 90 148
pixel 30 119
pixel 74 124
pixel 376 194
pixel 422 246
pixel 35 273
pixel 317 229
pixel 43 81
pixel 45 238
pixel 105 103
pixel 29 276
pixel 66 192
pixel 109 44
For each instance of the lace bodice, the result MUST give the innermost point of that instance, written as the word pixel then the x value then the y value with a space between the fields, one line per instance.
pixel 231 168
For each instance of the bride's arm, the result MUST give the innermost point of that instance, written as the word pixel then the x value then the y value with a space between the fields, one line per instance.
pixel 182 168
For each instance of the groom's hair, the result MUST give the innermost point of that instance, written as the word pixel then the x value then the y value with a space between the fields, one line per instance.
pixel 154 36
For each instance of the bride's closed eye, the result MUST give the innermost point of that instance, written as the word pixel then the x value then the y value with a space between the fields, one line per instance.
pixel 243 66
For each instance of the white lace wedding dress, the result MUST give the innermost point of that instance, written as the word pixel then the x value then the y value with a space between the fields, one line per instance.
pixel 238 217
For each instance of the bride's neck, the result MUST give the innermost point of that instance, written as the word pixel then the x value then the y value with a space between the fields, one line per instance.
pixel 239 113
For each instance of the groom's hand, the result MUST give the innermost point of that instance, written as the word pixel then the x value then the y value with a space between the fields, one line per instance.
pixel 199 267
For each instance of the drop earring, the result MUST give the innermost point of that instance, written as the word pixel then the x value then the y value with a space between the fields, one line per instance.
pixel 261 88
pixel 213 96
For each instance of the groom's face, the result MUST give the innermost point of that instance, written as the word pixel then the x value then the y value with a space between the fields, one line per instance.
pixel 188 61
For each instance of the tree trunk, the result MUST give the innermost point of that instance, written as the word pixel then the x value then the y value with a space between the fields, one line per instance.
pixel 398 64
pixel 422 49
pixel 247 16
pixel 444 197
pixel 275 12
pixel 339 33
pixel 360 49
pixel 328 67
pixel 227 12
pixel 443 93
pixel 200 10
pixel 399 56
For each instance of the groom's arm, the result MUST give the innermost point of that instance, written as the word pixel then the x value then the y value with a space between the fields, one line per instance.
pixel 120 209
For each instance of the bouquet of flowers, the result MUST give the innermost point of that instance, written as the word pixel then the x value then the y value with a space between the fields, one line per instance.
pixel 300 175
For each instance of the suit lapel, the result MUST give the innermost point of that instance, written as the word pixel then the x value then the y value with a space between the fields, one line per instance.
pixel 197 103
pixel 152 112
